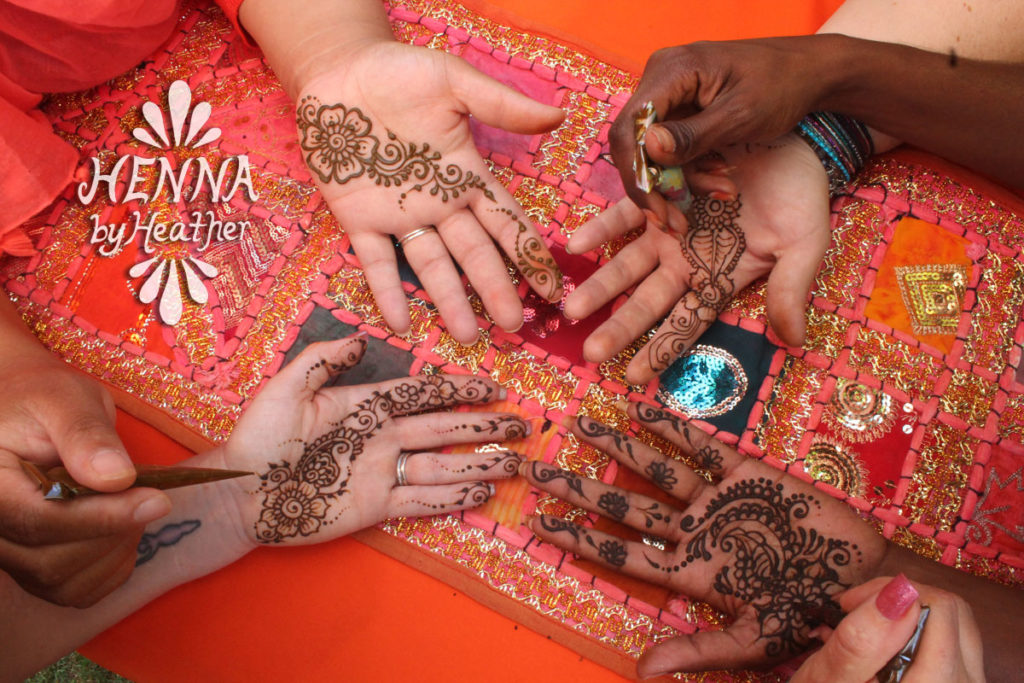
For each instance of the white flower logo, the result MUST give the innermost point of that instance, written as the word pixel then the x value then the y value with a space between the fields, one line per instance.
pixel 179 99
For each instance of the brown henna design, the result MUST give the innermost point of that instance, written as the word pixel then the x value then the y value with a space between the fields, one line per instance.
pixel 713 245
pixel 340 146
pixel 477 493
pixel 533 260
pixel 506 462
pixel 545 473
pixel 299 499
pixel 350 360
pixel 596 430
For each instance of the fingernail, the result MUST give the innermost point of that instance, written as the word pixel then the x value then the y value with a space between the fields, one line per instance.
pixel 502 393
pixel 567 422
pixel 522 467
pixel 528 520
pixel 721 171
pixel 896 598
pixel 723 196
pixel 677 221
pixel 151 509
pixel 111 465
pixel 664 138
pixel 622 405
pixel 491 490
pixel 567 249
pixel 517 327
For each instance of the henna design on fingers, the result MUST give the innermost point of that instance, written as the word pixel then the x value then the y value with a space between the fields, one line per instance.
pixel 595 429
pixel 350 360
pixel 713 245
pixel 510 428
pixel 505 461
pixel 662 475
pixel 653 514
pixel 298 500
pixel 340 146
pixel 705 455
pixel 546 473
pixel 533 260
pixel 772 563
pixel 165 537
pixel 611 551
pixel 477 493
pixel 614 505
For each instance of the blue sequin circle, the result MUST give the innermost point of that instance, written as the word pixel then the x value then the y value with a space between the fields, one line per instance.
pixel 706 382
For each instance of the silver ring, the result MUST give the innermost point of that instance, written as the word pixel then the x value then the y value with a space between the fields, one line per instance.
pixel 409 237
pixel 400 469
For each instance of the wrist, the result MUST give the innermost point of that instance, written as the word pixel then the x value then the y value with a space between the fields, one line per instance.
pixel 230 501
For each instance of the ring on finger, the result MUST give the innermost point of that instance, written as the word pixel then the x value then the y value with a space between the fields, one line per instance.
pixel 400 469
pixel 409 237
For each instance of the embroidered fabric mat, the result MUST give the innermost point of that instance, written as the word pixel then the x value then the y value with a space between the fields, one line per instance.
pixel 903 400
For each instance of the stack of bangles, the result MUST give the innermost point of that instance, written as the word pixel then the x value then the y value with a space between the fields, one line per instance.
pixel 843 145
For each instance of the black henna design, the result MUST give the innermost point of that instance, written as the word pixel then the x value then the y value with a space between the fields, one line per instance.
pixel 610 550
pixel 350 360
pixel 340 146
pixel 614 505
pixel 594 429
pixel 713 245
pixel 509 427
pixel 653 514
pixel 663 476
pixel 705 456
pixel 477 493
pixel 505 461
pixel 545 473
pixel 533 260
pixel 298 500
pixel 771 562
pixel 165 537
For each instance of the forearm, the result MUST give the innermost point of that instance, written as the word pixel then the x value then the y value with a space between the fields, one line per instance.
pixel 200 536
pixel 997 609
pixel 964 110
pixel 298 37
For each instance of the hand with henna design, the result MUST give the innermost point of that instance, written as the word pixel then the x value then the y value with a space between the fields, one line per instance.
pixel 326 457
pixel 777 225
pixel 384 129
pixel 755 543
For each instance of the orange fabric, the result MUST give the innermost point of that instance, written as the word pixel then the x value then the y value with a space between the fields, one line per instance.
pixel 342 611
pixel 915 243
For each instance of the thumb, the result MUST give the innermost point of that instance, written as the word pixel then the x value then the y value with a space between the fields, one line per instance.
pixel 866 638
pixel 499 105
pixel 789 283
pixel 678 141
pixel 89 447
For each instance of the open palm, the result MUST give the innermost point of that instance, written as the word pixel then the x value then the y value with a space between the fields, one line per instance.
pixel 755 543
pixel 777 226
pixel 386 136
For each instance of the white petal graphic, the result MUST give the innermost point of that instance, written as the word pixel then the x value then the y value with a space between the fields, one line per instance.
pixel 155 118
pixel 170 300
pixel 204 267
pixel 196 289
pixel 179 97
pixel 151 287
pixel 143 135
pixel 209 137
pixel 200 115
pixel 139 269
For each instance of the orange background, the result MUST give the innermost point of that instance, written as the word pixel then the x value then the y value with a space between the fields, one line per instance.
pixel 344 612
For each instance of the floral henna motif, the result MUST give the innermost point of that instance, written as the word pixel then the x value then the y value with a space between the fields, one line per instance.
pixel 713 246
pixel 298 500
pixel 614 505
pixel 663 476
pixel 772 563
pixel 340 146
pixel 534 262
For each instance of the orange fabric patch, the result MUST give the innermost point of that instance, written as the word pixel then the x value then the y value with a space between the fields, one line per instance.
pixel 918 247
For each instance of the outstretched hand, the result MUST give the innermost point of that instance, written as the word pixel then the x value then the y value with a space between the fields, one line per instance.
pixel 753 542
pixel 778 225
pixel 327 457
pixel 386 136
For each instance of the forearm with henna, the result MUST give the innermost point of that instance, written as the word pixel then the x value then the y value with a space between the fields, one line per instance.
pixel 998 609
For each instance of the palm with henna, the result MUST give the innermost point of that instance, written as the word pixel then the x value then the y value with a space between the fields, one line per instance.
pixel 326 456
pixel 386 135
pixel 753 542
pixel 776 225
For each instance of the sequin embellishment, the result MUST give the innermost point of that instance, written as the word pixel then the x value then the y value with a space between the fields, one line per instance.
pixel 859 413
pixel 836 466
pixel 706 382
pixel 933 296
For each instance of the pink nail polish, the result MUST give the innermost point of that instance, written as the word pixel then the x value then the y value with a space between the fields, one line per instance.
pixel 896 598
